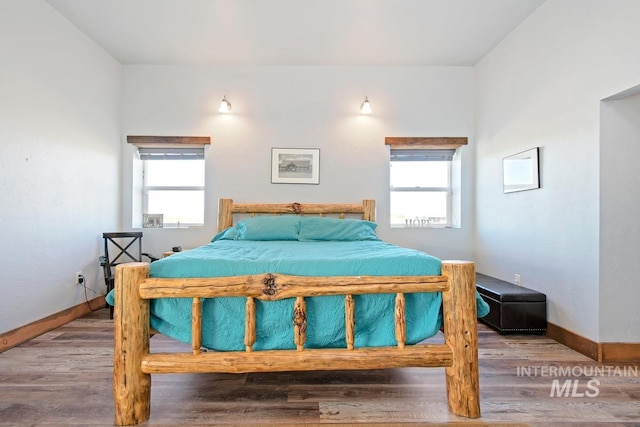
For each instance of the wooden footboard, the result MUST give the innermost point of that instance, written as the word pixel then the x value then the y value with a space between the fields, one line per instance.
pixel 133 363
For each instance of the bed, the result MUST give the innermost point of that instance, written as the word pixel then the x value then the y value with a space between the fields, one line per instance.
pixel 245 290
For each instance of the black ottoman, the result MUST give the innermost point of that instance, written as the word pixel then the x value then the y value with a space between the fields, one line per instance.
pixel 514 309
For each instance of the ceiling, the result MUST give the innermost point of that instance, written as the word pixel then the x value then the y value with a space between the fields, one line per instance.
pixel 297 32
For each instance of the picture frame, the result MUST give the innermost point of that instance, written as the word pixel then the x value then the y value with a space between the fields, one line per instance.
pixel 295 166
pixel 521 171
pixel 152 220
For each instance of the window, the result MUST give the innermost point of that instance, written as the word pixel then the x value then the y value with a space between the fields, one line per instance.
pixel 420 187
pixel 168 180
pixel 173 184
pixel 425 181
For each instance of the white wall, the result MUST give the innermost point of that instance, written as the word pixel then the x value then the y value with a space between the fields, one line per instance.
pixel 59 134
pixel 302 107
pixel 620 220
pixel 542 86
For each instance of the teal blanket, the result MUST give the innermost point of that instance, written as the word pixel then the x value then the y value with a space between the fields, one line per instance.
pixel 302 246
pixel 223 318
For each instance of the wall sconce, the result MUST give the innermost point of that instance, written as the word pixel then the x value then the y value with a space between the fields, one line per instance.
pixel 225 106
pixel 365 107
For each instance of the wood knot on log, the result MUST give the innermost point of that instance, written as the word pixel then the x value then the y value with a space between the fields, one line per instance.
pixel 270 288
pixel 300 319
pixel 296 207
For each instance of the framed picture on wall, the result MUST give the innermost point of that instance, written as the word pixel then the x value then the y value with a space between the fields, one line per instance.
pixel 295 166
pixel 152 220
pixel 521 171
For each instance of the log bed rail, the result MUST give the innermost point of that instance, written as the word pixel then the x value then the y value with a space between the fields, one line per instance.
pixel 133 363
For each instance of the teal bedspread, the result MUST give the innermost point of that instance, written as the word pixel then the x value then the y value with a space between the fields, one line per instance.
pixel 223 318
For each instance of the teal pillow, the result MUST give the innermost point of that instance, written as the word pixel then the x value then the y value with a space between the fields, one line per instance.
pixel 283 227
pixel 316 228
pixel 228 234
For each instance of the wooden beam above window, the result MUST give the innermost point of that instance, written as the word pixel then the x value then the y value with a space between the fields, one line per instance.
pixel 425 142
pixel 168 141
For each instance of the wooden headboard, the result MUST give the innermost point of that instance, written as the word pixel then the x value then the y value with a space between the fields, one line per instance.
pixel 226 210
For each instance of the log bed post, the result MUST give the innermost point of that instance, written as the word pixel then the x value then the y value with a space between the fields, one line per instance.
pixel 131 387
pixel 369 210
pixel 225 214
pixel 461 334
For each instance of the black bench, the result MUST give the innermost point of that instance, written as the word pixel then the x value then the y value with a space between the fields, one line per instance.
pixel 514 309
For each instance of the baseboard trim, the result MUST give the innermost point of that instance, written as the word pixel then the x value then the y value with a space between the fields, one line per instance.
pixel 572 340
pixel 619 352
pixel 600 352
pixel 25 333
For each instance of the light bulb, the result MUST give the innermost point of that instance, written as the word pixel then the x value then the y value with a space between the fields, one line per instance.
pixel 365 107
pixel 225 106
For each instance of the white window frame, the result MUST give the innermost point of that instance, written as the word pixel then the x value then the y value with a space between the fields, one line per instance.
pixel 426 155
pixel 168 154
pixel 167 145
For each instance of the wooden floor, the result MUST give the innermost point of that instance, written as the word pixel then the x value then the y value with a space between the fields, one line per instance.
pixel 64 378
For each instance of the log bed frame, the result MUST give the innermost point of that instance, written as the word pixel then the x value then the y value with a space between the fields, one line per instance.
pixel 134 364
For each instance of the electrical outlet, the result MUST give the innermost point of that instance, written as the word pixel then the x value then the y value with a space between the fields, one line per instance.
pixel 517 279
pixel 79 278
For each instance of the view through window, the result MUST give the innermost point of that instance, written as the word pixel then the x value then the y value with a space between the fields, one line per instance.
pixel 174 187
pixel 420 188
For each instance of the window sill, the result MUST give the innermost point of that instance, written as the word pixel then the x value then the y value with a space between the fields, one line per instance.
pixel 172 227
pixel 418 227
